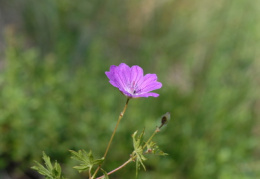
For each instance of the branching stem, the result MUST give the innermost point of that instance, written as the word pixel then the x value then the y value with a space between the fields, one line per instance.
pixel 155 132
pixel 112 136
pixel 118 168
pixel 89 173
pixel 133 157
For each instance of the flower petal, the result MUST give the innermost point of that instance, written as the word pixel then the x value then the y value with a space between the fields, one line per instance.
pixel 126 93
pixel 112 77
pixel 131 82
pixel 136 74
pixel 123 75
pixel 146 95
pixel 150 83
pixel 151 86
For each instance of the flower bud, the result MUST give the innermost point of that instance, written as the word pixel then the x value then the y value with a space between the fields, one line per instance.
pixel 164 119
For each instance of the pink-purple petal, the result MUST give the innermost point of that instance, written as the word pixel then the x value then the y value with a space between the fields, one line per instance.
pixel 124 72
pixel 120 80
pixel 136 74
pixel 151 86
pixel 131 82
pixel 148 78
pixel 112 77
pixel 121 76
pixel 125 92
pixel 146 95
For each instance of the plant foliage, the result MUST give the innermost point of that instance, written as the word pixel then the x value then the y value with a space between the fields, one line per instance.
pixel 86 160
pixel 49 171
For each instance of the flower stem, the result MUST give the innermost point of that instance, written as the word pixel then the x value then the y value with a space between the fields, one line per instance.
pixel 134 156
pixel 155 132
pixel 118 168
pixel 118 121
pixel 113 134
pixel 89 173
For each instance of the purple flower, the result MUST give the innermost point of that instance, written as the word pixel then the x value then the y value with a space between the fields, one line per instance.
pixel 131 81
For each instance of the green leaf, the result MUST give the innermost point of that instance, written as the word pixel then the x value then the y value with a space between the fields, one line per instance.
pixel 86 160
pixel 138 150
pixel 153 148
pixel 50 171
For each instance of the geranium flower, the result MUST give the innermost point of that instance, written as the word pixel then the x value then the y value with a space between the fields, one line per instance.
pixel 131 81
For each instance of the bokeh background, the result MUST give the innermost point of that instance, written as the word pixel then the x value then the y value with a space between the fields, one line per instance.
pixel 54 95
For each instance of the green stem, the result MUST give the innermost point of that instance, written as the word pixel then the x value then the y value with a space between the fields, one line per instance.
pixel 118 121
pixel 134 156
pixel 113 134
pixel 89 173
pixel 155 132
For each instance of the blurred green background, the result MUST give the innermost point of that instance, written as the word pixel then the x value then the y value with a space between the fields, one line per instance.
pixel 55 96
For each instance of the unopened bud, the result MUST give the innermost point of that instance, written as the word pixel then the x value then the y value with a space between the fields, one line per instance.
pixel 149 151
pixel 165 118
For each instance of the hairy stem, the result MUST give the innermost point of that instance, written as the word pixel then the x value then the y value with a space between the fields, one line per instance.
pixel 133 155
pixel 89 173
pixel 155 132
pixel 113 134
pixel 118 168
pixel 118 121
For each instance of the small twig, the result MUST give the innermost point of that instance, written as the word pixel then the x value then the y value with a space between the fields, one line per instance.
pixel 118 168
pixel 89 173
pixel 132 158
pixel 113 134
pixel 118 121
pixel 155 132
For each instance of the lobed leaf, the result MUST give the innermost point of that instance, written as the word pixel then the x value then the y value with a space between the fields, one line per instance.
pixel 153 148
pixel 138 150
pixel 86 160
pixel 49 171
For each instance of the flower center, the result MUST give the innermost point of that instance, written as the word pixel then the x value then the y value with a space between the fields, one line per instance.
pixel 133 88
